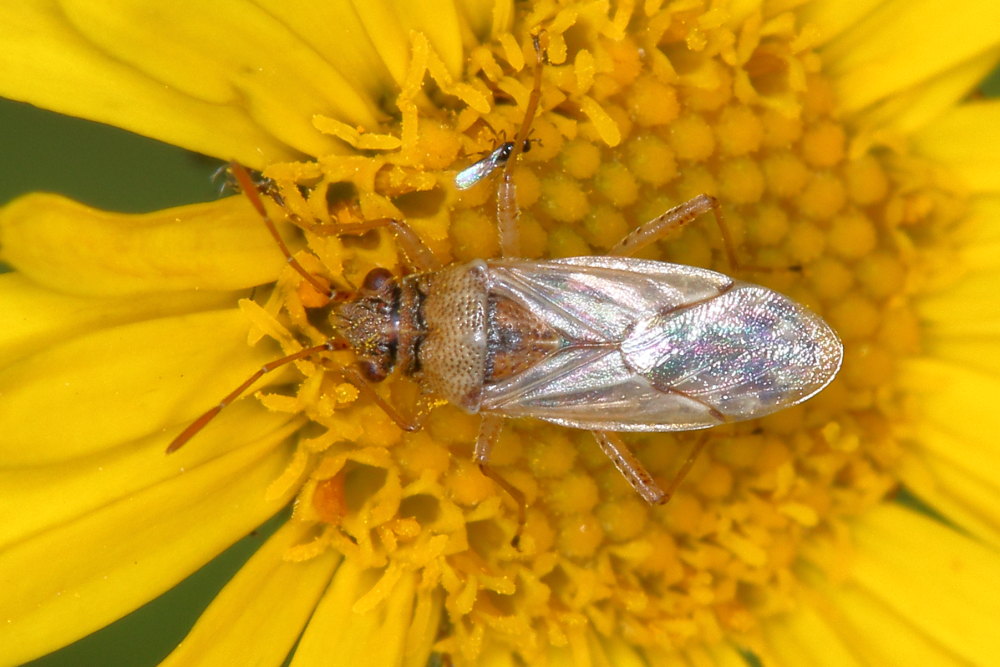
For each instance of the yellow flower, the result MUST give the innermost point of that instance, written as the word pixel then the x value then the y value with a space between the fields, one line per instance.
pixel 831 132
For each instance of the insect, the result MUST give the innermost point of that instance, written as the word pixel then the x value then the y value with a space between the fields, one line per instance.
pixel 608 343
pixel 476 172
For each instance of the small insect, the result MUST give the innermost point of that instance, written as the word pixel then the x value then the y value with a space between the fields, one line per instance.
pixel 476 172
pixel 608 343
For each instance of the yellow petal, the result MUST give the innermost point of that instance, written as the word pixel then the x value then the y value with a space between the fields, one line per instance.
pixel 120 384
pixel 942 582
pixel 968 498
pixel 876 633
pixel 909 111
pixel 831 18
pixel 225 79
pixel 79 576
pixel 36 318
pixel 335 31
pixel 81 487
pixel 69 247
pixel 259 615
pixel 375 636
pixel 965 140
pixel 388 25
pixel 905 42
pixel 956 399
pixel 979 237
pixel 803 637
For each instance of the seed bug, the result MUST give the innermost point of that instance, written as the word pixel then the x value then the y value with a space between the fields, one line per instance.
pixel 607 343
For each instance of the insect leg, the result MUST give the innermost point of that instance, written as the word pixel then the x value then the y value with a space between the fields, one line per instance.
pixel 203 420
pixel 673 219
pixel 415 251
pixel 249 188
pixel 489 432
pixel 630 468
pixel 685 467
pixel 413 423
pixel 510 245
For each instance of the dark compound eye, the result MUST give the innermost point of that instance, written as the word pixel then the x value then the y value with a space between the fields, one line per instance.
pixel 376 280
pixel 371 371
pixel 504 153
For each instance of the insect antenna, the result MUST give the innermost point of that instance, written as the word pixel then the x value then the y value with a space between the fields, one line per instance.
pixel 330 345
pixel 521 139
pixel 246 184
pixel 507 211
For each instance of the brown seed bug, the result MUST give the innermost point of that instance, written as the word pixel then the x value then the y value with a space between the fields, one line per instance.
pixel 604 343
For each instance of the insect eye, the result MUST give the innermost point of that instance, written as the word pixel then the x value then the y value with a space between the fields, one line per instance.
pixel 371 371
pixel 376 280
pixel 526 146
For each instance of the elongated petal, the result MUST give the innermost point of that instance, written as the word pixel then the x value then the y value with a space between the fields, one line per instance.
pixel 832 18
pixel 970 498
pixel 36 318
pixel 806 638
pixel 957 140
pixel 120 384
pixel 876 633
pixel 225 79
pixel 911 110
pixel 869 64
pixel 69 247
pixel 259 615
pixel 388 25
pixel 360 633
pixel 81 575
pixel 932 575
pixel 109 476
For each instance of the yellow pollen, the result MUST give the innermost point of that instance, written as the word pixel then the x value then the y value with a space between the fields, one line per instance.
pixel 780 131
pixel 604 226
pixel 866 181
pixel 623 519
pixel 824 145
pixel 652 103
pixel 650 160
pixel 741 181
pixel 615 182
pixel 575 493
pixel 823 196
pixel 563 199
pixel 691 138
pixel 785 174
pixel 580 159
pixel 579 536
pixel 739 131
pixel 852 236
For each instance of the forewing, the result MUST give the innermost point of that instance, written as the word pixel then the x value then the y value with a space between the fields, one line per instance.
pixel 590 387
pixel 599 299
pixel 595 303
pixel 747 353
pixel 659 347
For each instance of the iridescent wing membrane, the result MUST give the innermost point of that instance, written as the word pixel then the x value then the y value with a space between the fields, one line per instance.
pixel 650 346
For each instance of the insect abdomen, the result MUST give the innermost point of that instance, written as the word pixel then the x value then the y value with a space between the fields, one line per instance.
pixel 516 338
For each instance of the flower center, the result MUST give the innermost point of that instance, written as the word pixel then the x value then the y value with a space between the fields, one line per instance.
pixel 629 125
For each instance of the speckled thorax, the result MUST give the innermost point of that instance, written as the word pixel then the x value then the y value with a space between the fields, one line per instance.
pixel 446 328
